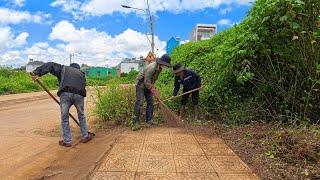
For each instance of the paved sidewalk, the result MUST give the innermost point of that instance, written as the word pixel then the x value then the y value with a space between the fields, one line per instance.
pixel 171 153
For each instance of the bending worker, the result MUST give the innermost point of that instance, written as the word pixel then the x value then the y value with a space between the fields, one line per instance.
pixel 190 81
pixel 71 91
pixel 145 87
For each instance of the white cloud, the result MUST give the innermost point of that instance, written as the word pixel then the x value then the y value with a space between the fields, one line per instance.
pixel 245 2
pixel 19 3
pixel 10 46
pixel 21 39
pixel 12 57
pixel 10 16
pixel 5 37
pixel 8 40
pixel 91 46
pixel 108 7
pixel 225 22
pixel 68 6
pixel 224 11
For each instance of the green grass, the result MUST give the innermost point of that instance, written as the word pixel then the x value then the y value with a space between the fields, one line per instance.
pixel 16 81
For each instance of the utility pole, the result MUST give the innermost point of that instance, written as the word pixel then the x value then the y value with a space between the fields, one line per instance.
pixel 70 58
pixel 152 32
pixel 148 13
pixel 151 27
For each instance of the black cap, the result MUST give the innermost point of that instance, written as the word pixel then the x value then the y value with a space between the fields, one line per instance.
pixel 164 60
pixel 177 68
pixel 75 65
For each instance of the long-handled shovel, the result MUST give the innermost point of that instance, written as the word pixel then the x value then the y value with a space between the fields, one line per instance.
pixel 56 100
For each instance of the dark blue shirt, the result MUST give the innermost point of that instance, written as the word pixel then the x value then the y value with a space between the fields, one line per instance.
pixel 191 80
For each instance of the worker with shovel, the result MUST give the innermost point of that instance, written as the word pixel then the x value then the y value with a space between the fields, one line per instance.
pixel 190 81
pixel 71 91
pixel 145 88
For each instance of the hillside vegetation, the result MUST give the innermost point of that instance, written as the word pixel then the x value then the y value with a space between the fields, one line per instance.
pixel 266 68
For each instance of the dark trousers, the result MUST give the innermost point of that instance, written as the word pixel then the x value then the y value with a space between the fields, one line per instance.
pixel 142 92
pixel 194 95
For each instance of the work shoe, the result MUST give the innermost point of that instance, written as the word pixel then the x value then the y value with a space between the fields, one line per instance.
pixel 87 139
pixel 62 143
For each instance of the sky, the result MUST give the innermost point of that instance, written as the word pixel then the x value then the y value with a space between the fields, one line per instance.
pixel 101 32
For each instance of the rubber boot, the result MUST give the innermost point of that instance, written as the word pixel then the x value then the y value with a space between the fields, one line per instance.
pixel 182 111
pixel 197 112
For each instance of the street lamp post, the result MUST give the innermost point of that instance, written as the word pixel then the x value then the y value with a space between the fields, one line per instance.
pixel 147 11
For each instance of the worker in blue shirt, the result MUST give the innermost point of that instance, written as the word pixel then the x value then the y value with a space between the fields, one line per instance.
pixel 190 81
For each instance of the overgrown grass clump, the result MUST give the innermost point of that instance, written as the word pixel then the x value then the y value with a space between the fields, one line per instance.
pixel 266 68
pixel 115 104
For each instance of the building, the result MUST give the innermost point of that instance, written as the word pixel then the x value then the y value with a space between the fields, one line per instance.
pixel 99 72
pixel 171 44
pixel 203 32
pixel 128 65
pixel 32 65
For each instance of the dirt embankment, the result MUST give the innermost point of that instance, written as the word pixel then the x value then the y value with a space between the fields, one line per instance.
pixel 273 151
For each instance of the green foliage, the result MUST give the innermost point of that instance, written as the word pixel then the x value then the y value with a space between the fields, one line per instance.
pixel 267 67
pixel 18 81
pixel 115 104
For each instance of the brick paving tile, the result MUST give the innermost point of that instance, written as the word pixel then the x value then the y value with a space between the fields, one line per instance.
pixel 157 149
pixel 171 153
pixel 192 164
pixel 156 163
pixel 120 162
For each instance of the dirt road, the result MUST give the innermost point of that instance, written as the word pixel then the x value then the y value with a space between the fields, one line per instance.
pixel 29 135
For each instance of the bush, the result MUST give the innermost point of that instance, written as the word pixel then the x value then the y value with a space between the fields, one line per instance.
pixel 267 67
pixel 115 104
pixel 16 81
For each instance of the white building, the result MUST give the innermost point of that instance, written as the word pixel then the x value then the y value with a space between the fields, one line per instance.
pixel 128 65
pixel 32 65
pixel 203 32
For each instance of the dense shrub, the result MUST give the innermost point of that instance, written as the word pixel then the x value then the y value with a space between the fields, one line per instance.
pixel 115 104
pixel 267 67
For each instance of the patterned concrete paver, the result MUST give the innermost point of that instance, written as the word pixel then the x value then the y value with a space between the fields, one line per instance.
pixel 171 153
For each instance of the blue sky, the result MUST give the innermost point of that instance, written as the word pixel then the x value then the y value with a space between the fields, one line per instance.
pixel 100 32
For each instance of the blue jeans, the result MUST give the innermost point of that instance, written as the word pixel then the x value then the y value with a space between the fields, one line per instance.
pixel 142 92
pixel 66 101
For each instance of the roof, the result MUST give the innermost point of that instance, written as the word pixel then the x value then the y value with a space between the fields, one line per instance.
pixel 207 25
pixel 177 39
pixel 131 62
pixel 35 63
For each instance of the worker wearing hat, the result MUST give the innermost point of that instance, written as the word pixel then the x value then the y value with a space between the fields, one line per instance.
pixel 145 87
pixel 190 81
